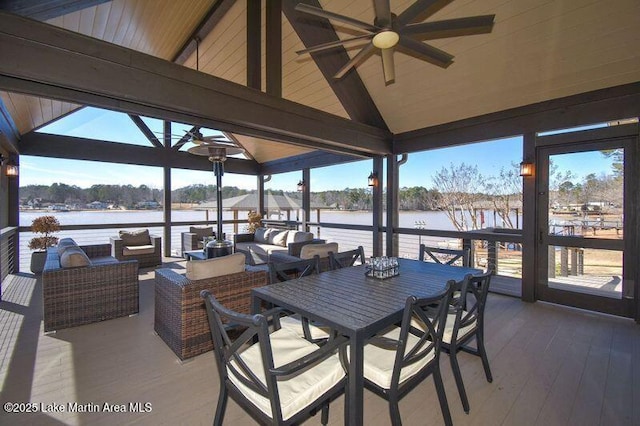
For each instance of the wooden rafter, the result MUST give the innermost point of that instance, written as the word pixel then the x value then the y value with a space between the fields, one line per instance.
pixel 47 60
pixel 68 147
pixel 9 134
pixel 208 23
pixel 43 10
pixel 185 138
pixel 145 130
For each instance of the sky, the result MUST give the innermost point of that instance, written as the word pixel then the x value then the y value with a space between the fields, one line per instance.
pixel 88 122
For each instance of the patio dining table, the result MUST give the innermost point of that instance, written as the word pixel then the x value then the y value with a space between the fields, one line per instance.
pixel 358 307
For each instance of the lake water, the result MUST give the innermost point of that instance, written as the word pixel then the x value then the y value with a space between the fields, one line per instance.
pixel 409 219
pixel 347 239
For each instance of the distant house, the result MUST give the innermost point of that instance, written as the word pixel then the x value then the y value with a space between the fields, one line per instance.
pixel 148 205
pixel 97 205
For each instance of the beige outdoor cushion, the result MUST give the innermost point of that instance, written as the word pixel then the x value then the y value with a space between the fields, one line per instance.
pixel 448 327
pixel 64 244
pixel 201 231
pixel 298 237
pixel 278 238
pixel 135 238
pixel 322 250
pixel 378 362
pixel 299 390
pixel 138 250
pixel 218 266
pixel 74 257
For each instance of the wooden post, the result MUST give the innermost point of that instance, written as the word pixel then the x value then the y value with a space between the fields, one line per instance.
pixel 235 221
pixel 551 262
pixel 468 244
pixel 564 260
pixel 377 206
pixel 493 248
pixel 574 261
pixel 167 193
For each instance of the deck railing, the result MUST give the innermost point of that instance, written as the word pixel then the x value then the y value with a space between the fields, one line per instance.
pixel 499 250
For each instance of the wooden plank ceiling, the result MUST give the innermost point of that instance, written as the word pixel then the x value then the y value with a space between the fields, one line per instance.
pixel 538 50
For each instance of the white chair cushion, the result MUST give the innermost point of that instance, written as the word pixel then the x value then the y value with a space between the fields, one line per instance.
pixel 448 328
pixel 294 323
pixel 218 266
pixel 298 391
pixel 378 362
pixel 138 250
pixel 322 250
pixel 278 238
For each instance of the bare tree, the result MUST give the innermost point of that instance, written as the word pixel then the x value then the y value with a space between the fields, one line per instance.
pixel 504 191
pixel 459 195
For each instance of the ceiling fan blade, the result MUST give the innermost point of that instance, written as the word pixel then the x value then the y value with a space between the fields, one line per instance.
pixel 383 12
pixel 357 59
pixel 452 27
pixel 312 10
pixel 426 52
pixel 388 66
pixel 422 8
pixel 332 44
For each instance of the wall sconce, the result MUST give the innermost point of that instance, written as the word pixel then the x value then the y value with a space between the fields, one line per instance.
pixel 526 169
pixel 373 179
pixel 301 185
pixel 12 169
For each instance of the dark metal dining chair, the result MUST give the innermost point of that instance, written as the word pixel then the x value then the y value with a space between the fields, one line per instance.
pixel 279 379
pixel 346 258
pixel 285 271
pixel 466 323
pixel 400 359
pixel 445 256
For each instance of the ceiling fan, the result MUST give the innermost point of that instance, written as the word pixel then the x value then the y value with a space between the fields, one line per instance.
pixel 390 31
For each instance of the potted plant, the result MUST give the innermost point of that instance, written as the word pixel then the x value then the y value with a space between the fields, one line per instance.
pixel 45 227
pixel 255 221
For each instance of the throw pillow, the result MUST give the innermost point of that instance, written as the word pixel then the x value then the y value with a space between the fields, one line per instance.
pixel 64 244
pixel 298 237
pixel 218 266
pixel 279 238
pixel 74 257
pixel 322 250
pixel 135 238
pixel 201 231
pixel 260 235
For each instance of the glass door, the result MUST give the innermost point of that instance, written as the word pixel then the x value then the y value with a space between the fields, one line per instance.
pixel 586 220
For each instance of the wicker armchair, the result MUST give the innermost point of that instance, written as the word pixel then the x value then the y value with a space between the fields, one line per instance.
pixel 147 254
pixel 103 290
pixel 180 315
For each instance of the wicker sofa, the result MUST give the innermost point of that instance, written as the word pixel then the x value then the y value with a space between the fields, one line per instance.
pixel 180 316
pixel 259 246
pixel 76 295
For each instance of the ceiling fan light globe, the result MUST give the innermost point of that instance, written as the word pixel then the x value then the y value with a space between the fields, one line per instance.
pixel 385 39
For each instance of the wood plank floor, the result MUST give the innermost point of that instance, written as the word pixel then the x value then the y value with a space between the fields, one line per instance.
pixel 551 366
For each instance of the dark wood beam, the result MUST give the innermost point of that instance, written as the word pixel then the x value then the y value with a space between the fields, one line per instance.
pixel 208 23
pixel 146 130
pixel 9 134
pixel 67 147
pixel 273 47
pixel 185 138
pixel 350 90
pixel 43 10
pixel 309 160
pixel 254 44
pixel 586 108
pixel 52 62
